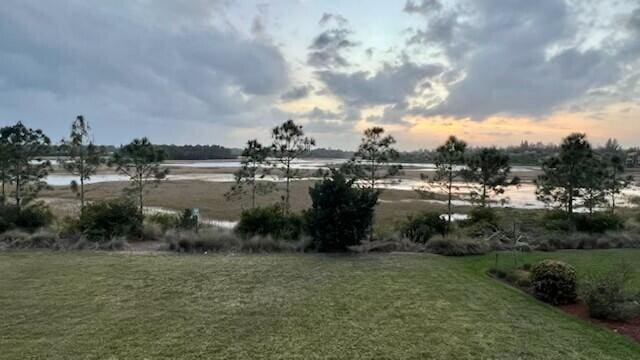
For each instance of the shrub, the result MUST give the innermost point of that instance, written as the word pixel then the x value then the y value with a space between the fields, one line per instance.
pixel 390 243
pixel 420 228
pixel 341 214
pixel 556 220
pixel 598 222
pixel 164 220
pixel 34 217
pixel 8 215
pixel 29 218
pixel 457 246
pixel 519 277
pixel 607 297
pixel 188 219
pixel 554 282
pixel 222 240
pixel 482 215
pixel 14 238
pixel 104 220
pixel 270 221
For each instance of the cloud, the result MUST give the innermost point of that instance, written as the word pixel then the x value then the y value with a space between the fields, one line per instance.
pixel 392 114
pixel 327 48
pixel 424 7
pixel 517 58
pixel 391 84
pixel 130 60
pixel 297 93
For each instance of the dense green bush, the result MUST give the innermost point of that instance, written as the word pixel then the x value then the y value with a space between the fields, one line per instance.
pixel 34 217
pixel 188 219
pixel 270 221
pixel 421 227
pixel 606 296
pixel 556 220
pixel 554 282
pixel 482 215
pixel 457 246
pixel 30 218
pixel 103 220
pixel 341 214
pixel 599 222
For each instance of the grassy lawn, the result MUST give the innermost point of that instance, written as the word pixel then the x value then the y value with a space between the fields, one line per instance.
pixel 395 306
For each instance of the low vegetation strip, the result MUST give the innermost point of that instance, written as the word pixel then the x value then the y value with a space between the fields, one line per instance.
pixel 96 305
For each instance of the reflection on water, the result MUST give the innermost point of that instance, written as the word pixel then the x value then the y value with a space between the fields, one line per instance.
pixel 522 196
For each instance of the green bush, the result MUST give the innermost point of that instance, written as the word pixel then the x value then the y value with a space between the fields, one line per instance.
pixel 457 246
pixel 420 228
pixel 30 218
pixel 599 222
pixel 34 217
pixel 270 221
pixel 164 220
pixel 341 214
pixel 606 296
pixel 103 220
pixel 188 220
pixel 554 282
pixel 556 220
pixel 8 215
pixel 482 215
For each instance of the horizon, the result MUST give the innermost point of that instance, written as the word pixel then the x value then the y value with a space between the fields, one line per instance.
pixel 221 72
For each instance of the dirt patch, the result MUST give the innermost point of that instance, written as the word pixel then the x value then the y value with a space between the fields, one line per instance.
pixel 630 329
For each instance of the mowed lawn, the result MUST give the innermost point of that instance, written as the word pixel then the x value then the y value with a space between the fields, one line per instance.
pixel 90 305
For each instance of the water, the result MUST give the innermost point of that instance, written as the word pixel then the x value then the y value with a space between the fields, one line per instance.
pixel 522 196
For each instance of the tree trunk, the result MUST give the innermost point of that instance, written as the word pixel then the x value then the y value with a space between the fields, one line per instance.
pixel 4 193
pixel 253 194
pixel 449 195
pixel 484 195
pixel 288 176
pixel 140 195
pixel 614 185
pixel 81 195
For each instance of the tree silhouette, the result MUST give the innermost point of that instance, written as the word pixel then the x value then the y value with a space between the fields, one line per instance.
pixel 26 170
pixel 84 157
pixel 254 161
pixel 140 160
pixel 371 161
pixel 566 173
pixel 289 143
pixel 449 166
pixel 489 168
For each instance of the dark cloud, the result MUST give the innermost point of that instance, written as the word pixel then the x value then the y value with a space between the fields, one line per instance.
pixel 327 49
pixel 326 18
pixel 424 7
pixel 130 61
pixel 517 57
pixel 390 85
pixel 297 93
pixel 392 114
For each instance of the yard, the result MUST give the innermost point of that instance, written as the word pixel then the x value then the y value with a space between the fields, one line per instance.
pixel 97 305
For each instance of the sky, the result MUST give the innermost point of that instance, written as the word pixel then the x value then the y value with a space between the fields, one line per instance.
pixel 492 72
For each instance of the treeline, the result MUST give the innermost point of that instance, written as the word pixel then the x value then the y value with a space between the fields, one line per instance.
pixel 173 152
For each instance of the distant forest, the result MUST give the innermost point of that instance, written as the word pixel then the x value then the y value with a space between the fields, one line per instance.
pixel 524 154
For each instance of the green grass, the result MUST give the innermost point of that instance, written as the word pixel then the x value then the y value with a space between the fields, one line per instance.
pixel 93 305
